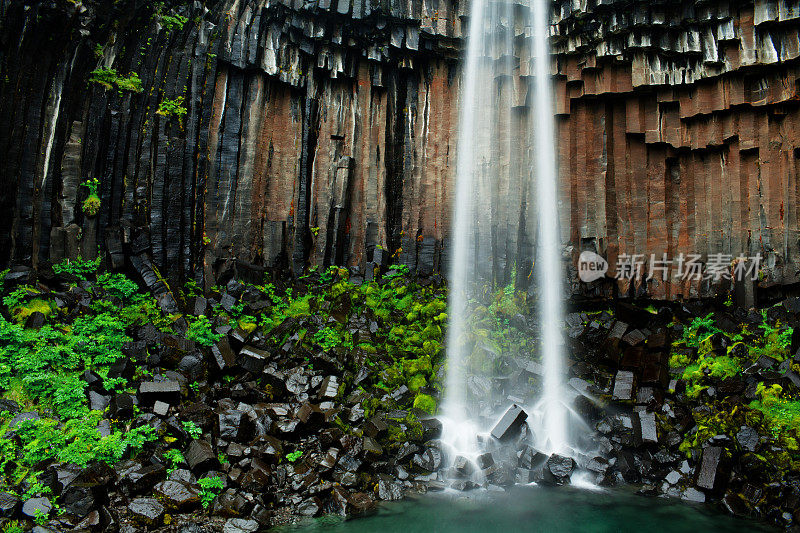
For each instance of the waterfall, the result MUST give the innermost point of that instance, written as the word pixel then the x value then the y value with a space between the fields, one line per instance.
pixel 550 281
pixel 458 431
pixel 500 155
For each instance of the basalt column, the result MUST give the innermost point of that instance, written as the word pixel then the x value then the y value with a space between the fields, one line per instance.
pixel 258 135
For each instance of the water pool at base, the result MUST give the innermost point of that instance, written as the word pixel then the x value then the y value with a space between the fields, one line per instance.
pixel 539 509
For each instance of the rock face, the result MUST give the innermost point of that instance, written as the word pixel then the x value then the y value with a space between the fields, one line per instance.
pixel 324 133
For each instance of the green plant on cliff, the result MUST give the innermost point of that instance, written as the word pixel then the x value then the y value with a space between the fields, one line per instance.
pixel 201 331
pixel 699 329
pixel 169 21
pixel 117 285
pixel 328 338
pixel 175 458
pixel 108 78
pixel 210 487
pixel 780 412
pixel 174 107
pixel 193 430
pixel 775 342
pixel 42 370
pixel 173 22
pixel 80 268
pixel 13 527
pixel 91 205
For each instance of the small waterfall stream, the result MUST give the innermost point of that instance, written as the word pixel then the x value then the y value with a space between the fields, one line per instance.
pixel 500 137
pixel 550 312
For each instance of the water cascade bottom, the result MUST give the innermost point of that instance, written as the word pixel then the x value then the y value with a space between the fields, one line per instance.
pixel 534 508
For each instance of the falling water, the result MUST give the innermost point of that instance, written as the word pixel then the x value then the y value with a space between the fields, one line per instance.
pixel 495 148
pixel 459 431
pixel 548 271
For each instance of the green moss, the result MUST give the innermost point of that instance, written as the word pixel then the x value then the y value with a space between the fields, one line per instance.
pixel 417 382
pixel 37 305
pixel 301 307
pixel 680 359
pixel 780 413
pixel 425 403
pixel 419 365
pixel 247 326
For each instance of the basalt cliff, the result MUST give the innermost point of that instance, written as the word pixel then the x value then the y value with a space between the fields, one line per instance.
pixel 288 133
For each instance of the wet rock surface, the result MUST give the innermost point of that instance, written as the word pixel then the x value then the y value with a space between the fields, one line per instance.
pixel 248 433
pixel 316 430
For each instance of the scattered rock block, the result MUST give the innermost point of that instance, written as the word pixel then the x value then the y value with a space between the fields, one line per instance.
pixel 558 469
pixel 166 391
pixel 35 506
pixel 509 424
pixel 142 479
pixel 177 496
pixel 708 477
pixel 645 428
pixel 462 465
pixel 484 460
pixel 235 425
pixel 146 512
pixel 160 408
pixel 374 427
pixel 431 428
pixel 201 456
pixel 9 503
pixel 623 386
pixel 223 354
pixel 693 495
pixel 329 388
pixel 240 525
pixel 389 490
pixel 748 438
pixel 252 359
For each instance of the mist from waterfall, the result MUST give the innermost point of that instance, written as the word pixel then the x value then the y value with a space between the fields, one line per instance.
pixel 506 165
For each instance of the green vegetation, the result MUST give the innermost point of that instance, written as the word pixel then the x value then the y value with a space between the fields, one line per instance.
pixel 328 338
pixel 210 487
pixel 192 429
pixel 703 355
pixel 41 369
pixel 201 331
pixel 169 21
pixel 294 456
pixel 173 22
pixel 13 527
pixel 174 107
pixel 108 78
pixel 175 458
pixel 425 403
pixel 80 268
pixel 393 326
pixel 91 206
pixel 706 356
pixel 781 413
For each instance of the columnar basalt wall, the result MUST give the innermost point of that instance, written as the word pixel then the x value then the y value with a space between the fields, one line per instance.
pixel 679 132
pixel 320 133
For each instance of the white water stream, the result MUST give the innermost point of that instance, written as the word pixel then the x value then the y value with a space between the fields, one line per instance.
pixel 494 145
